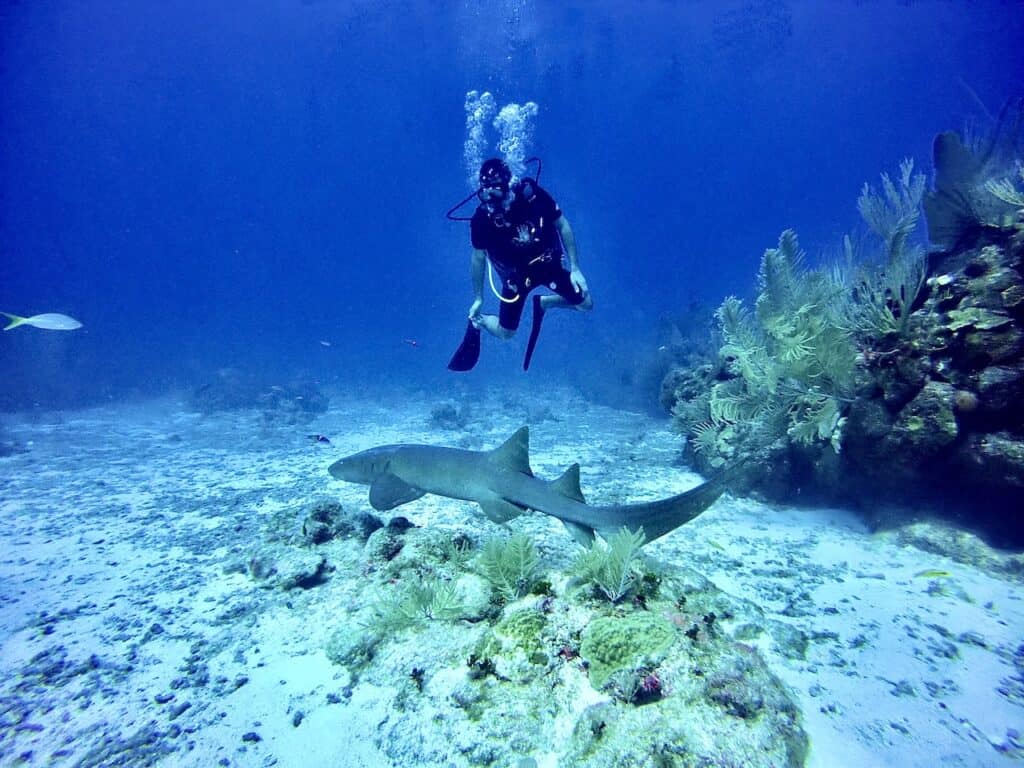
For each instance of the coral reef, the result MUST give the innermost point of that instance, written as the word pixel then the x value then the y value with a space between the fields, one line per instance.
pixel 510 566
pixel 614 645
pixel 943 410
pixel 975 191
pixel 610 567
pixel 784 375
pixel 656 680
pixel 891 376
pixel 327 520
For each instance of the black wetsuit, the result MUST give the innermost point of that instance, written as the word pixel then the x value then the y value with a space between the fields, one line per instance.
pixel 524 246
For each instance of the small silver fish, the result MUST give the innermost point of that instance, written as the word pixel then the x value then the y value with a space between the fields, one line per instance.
pixel 50 321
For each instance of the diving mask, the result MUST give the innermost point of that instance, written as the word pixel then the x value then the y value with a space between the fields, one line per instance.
pixel 495 178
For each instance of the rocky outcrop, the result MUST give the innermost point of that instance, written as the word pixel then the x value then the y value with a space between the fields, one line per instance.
pixel 944 412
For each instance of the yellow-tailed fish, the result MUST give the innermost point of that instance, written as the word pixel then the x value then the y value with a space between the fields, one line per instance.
pixel 932 573
pixel 50 321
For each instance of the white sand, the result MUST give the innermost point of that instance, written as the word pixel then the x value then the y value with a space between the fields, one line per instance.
pixel 117 524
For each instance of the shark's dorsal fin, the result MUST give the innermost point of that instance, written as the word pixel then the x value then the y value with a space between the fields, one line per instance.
pixel 569 484
pixel 388 492
pixel 514 453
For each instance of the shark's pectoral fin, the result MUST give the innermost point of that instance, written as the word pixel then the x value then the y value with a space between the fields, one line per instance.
pixel 500 511
pixel 569 484
pixel 389 492
pixel 514 453
pixel 583 534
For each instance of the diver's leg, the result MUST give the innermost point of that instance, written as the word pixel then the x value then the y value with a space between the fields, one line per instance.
pixel 554 301
pixel 565 295
pixel 506 322
pixel 492 324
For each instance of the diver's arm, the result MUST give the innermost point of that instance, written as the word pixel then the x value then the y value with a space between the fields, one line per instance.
pixel 569 241
pixel 579 282
pixel 476 273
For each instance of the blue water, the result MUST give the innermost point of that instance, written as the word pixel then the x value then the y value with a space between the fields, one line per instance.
pixel 210 185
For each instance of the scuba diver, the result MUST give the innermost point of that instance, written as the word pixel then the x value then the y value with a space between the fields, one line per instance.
pixel 521 230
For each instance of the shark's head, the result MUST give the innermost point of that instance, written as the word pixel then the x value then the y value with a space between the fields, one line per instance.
pixel 364 467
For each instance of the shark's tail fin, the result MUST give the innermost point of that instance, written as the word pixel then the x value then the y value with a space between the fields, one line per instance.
pixel 660 517
pixel 15 320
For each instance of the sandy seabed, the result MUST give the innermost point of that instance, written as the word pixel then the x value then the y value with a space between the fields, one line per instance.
pixel 126 640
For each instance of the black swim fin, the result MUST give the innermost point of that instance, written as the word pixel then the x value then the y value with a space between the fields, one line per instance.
pixel 468 353
pixel 538 318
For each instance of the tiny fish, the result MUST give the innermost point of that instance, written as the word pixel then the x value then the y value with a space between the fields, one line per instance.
pixel 411 342
pixel 50 321
pixel 932 573
pixel 320 439
pixel 324 343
